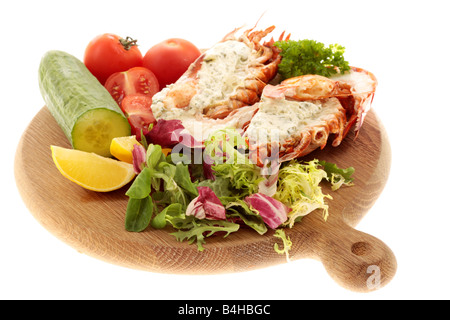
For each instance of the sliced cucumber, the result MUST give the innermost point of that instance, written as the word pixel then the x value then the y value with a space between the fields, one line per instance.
pixel 82 107
pixel 95 130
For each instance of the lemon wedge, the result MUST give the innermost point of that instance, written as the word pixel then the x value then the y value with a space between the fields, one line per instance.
pixel 92 171
pixel 122 148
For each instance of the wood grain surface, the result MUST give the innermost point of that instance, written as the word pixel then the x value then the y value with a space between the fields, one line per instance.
pixel 93 223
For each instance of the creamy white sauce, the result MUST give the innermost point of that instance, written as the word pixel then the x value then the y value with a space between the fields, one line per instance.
pixel 224 69
pixel 279 120
pixel 158 107
pixel 193 121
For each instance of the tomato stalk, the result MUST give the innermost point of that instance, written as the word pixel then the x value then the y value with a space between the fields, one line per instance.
pixel 128 43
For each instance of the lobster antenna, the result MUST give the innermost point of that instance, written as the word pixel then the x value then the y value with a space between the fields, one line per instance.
pixel 259 19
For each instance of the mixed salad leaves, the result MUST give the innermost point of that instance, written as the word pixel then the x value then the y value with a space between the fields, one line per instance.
pixel 225 191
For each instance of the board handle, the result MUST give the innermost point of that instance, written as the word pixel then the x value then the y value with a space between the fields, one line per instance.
pixel 356 260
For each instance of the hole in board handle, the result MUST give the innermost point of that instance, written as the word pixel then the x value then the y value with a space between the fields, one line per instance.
pixel 360 248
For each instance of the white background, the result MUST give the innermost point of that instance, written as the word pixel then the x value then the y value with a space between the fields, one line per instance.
pixel 404 43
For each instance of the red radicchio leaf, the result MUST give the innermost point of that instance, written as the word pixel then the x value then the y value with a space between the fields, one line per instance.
pixel 273 212
pixel 139 158
pixel 207 168
pixel 168 133
pixel 206 206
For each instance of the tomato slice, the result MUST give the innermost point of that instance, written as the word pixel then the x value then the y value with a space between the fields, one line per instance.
pixel 137 80
pixel 138 111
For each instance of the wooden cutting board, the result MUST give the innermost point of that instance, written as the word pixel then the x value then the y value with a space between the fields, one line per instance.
pixel 93 223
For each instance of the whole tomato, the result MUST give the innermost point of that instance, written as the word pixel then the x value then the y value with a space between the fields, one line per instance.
pixel 169 59
pixel 108 53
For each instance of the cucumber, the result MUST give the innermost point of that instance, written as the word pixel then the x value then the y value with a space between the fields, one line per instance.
pixel 86 112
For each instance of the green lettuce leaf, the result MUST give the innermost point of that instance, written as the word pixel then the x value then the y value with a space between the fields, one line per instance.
pixel 226 146
pixel 198 230
pixel 161 183
pixel 141 187
pixel 239 208
pixel 139 214
pixel 159 221
pixel 287 243
pixel 221 186
pixel 245 178
pixel 299 188
pixel 336 176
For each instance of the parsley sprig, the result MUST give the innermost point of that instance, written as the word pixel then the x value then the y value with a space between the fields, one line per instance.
pixel 310 57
